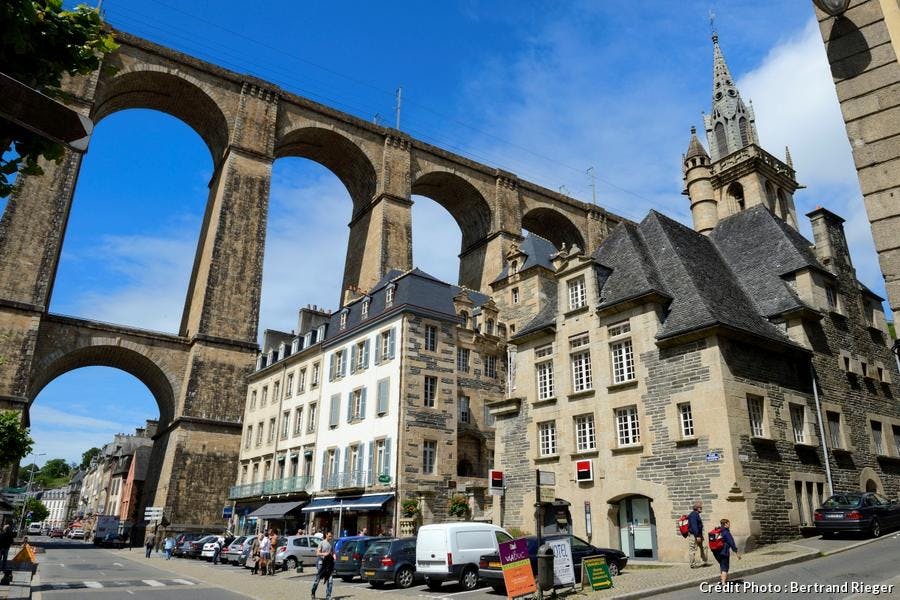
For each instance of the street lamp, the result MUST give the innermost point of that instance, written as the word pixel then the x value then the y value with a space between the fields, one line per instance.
pixel 832 7
pixel 28 490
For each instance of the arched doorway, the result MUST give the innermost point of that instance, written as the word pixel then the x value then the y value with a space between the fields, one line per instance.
pixel 637 527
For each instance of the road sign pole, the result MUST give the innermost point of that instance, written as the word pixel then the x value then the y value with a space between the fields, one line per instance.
pixel 538 519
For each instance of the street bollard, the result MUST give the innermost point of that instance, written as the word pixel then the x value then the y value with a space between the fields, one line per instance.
pixel 545 567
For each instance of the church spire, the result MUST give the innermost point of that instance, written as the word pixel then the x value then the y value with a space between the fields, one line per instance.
pixel 731 124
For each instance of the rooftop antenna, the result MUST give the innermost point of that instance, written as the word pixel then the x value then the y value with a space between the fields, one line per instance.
pixel 593 176
pixel 399 100
pixel 563 190
pixel 376 118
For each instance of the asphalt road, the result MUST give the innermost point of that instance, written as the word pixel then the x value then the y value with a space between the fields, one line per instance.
pixel 872 564
pixel 71 569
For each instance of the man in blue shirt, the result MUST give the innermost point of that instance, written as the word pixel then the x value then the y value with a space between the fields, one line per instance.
pixel 695 536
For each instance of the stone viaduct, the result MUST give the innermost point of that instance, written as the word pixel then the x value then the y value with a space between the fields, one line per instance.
pixel 198 375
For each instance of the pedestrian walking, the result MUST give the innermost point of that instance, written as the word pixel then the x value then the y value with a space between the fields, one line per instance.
pixel 721 542
pixel 253 557
pixel 218 550
pixel 273 548
pixel 151 542
pixel 696 549
pixel 6 540
pixel 265 553
pixel 324 566
pixel 168 546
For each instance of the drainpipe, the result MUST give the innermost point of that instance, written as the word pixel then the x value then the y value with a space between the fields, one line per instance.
pixel 812 372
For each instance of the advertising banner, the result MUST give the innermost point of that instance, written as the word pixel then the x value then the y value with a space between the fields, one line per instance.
pixel 563 568
pixel 596 573
pixel 516 567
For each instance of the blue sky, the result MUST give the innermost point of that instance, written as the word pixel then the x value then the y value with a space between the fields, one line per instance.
pixel 542 89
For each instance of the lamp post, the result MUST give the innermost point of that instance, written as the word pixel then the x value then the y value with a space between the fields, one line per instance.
pixel 28 489
pixel 832 7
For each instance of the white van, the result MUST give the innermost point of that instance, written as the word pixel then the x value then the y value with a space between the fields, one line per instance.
pixel 450 551
pixel 35 528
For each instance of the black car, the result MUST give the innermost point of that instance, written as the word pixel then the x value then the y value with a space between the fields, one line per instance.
pixel 182 539
pixel 390 560
pixel 349 558
pixel 857 512
pixel 489 564
pixel 193 548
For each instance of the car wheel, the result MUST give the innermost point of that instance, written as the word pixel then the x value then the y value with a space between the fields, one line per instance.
pixel 433 585
pixel 469 579
pixel 376 584
pixel 875 528
pixel 290 563
pixel 346 579
pixel 404 577
pixel 613 568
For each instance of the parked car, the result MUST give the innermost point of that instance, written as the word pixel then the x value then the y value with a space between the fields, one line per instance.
pixel 110 540
pixel 232 553
pixel 193 548
pixel 451 551
pixel 857 512
pixel 181 542
pixel 56 532
pixel 489 565
pixel 209 548
pixel 76 534
pixel 348 559
pixel 390 560
pixel 297 550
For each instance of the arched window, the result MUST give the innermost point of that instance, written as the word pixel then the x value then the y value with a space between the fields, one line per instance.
pixel 772 200
pixel 490 327
pixel 514 267
pixel 721 141
pixel 465 318
pixel 745 135
pixel 736 194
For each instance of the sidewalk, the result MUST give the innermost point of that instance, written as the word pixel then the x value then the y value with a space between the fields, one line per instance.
pixel 21 579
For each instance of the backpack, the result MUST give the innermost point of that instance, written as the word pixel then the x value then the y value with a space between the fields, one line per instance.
pixel 716 541
pixel 681 524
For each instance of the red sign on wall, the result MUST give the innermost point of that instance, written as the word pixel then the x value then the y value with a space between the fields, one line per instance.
pixel 584 470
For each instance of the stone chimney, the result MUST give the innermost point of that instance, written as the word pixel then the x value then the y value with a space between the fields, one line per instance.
pixel 310 317
pixel 831 243
pixel 151 427
pixel 351 294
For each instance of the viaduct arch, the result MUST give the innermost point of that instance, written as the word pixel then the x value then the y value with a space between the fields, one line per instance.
pixel 197 376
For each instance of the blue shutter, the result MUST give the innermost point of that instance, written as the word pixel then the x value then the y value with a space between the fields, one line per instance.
pixel 387 457
pixel 360 479
pixel 353 358
pixel 365 354
pixel 344 364
pixel 371 476
pixel 335 478
pixel 392 343
pixel 335 410
pixel 382 398
pixel 349 407
pixel 345 476
pixel 378 356
pixel 362 404
pixel 324 469
pixel 331 368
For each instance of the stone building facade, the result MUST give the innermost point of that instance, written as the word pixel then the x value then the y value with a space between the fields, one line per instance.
pixel 729 363
pixel 863 46
pixel 399 380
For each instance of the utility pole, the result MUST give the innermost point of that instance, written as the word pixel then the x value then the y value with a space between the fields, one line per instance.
pixel 397 105
pixel 28 491
pixel 593 176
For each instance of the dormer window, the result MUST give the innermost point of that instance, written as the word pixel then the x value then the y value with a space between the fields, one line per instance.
pixel 490 327
pixel 465 318
pixel 514 267
pixel 365 308
pixel 389 295
pixel 320 333
pixel 344 314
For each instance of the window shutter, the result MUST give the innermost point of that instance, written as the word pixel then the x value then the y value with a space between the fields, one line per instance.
pixel 347 465
pixel 365 356
pixel 378 356
pixel 392 343
pixel 371 476
pixel 324 469
pixel 387 457
pixel 362 404
pixel 349 407
pixel 360 465
pixel 382 402
pixel 331 368
pixel 335 410
pixel 335 473
pixel 344 365
pixel 353 358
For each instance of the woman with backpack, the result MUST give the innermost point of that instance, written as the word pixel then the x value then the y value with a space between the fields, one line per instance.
pixel 721 542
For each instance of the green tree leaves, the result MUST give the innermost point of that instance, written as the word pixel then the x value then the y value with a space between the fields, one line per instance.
pixel 15 442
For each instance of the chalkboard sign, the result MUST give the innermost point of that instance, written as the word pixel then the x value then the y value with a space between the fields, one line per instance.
pixel 595 571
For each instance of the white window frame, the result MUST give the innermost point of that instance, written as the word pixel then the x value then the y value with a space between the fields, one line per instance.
pixel 365 309
pixel 429 456
pixel 577 292
pixel 429 391
pixel 585 433
pixel 462 365
pixel 547 442
pixel 756 410
pixel 465 410
pixel 298 421
pixel 490 366
pixel 628 426
pixel 515 295
pixel 798 428
pixel 622 354
pixel 545 384
pixel 289 385
pixel 834 436
pixel 686 420
pixel 431 335
pixel 356 403
pixel 286 424
pixel 580 360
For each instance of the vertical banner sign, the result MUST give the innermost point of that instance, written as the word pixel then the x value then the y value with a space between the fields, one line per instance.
pixel 596 573
pixel 588 526
pixel 495 485
pixel 516 566
pixel 584 470
pixel 563 569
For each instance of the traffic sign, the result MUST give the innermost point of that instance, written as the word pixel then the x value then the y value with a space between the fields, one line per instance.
pixel 227 511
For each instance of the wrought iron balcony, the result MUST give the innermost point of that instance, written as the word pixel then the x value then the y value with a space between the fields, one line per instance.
pixel 300 483
pixel 352 479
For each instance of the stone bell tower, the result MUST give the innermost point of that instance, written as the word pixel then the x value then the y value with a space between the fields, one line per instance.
pixel 736 173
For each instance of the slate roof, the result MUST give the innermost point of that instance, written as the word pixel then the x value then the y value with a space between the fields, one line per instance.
pixel 760 249
pixel 546 317
pixel 631 269
pixel 537 251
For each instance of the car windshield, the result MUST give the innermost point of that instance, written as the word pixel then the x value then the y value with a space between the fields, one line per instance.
pixel 843 500
pixel 379 548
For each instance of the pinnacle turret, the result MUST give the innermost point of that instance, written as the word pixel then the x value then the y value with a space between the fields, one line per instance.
pixel 731 124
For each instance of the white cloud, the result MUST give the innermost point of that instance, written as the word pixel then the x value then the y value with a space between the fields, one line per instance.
pixel 49 417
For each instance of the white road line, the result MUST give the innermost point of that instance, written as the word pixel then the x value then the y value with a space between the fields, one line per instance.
pixel 183 581
pixel 153 583
pixel 464 592
pixel 117 564
pixel 62 565
pixel 93 584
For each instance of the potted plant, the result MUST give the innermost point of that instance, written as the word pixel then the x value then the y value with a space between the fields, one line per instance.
pixel 459 506
pixel 410 508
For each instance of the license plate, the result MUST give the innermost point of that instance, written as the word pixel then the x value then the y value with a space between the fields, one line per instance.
pixel 494 565
pixel 345 558
pixel 834 516
pixel 370 573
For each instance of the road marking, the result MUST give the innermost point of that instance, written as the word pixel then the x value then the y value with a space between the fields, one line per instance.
pixel 461 593
pixel 93 584
pixel 62 565
pixel 117 564
pixel 153 583
pixel 183 581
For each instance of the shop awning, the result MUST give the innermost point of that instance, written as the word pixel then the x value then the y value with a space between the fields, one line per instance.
pixel 334 503
pixel 274 510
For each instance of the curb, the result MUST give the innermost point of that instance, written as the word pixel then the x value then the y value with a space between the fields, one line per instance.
pixel 858 544
pixel 714 578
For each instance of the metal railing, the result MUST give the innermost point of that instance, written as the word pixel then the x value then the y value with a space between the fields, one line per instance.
pixel 300 483
pixel 351 479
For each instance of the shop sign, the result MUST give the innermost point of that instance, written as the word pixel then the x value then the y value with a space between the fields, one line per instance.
pixel 596 573
pixel 516 566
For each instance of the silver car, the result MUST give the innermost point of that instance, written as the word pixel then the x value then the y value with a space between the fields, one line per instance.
pixel 297 550
pixel 232 553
